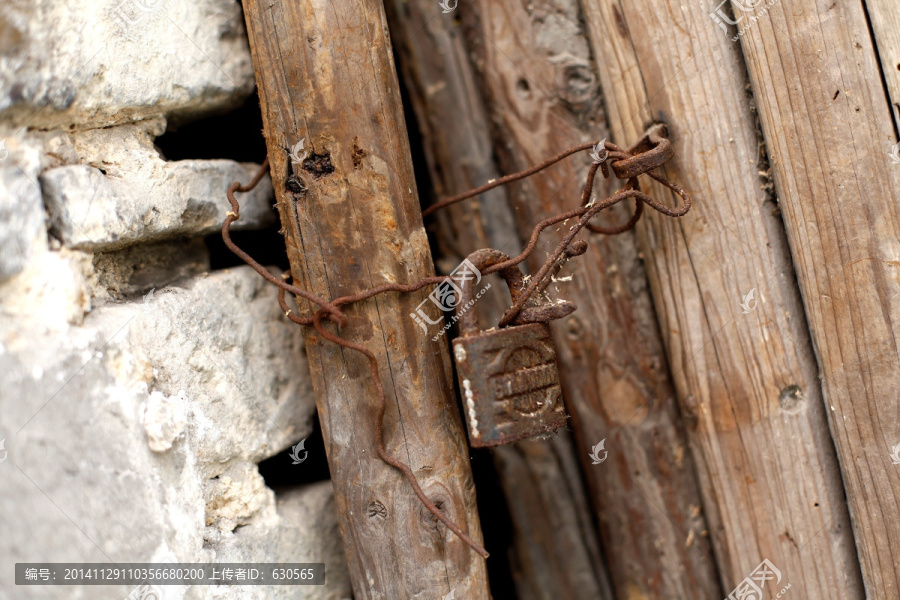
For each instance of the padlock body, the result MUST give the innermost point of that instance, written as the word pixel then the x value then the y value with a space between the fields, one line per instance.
pixel 509 383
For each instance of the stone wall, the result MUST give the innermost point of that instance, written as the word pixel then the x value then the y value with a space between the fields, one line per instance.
pixel 139 390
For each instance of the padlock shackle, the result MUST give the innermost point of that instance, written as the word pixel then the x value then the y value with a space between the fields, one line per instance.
pixel 515 281
pixel 481 260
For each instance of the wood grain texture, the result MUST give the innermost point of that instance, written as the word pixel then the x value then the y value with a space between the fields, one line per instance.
pixel 884 16
pixel 541 87
pixel 555 551
pixel 747 381
pixel 325 74
pixel 828 128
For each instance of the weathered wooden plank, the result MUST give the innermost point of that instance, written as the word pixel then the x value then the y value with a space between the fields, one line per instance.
pixel 352 221
pixel 885 18
pixel 555 552
pixel 745 377
pixel 453 124
pixel 541 86
pixel 828 127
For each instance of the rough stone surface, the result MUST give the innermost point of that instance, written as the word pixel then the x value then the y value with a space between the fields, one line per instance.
pixel 84 64
pixel 306 520
pixel 123 192
pixel 138 391
pixel 297 509
pixel 21 207
pixel 141 268
pixel 134 432
pixel 52 292
pixel 165 418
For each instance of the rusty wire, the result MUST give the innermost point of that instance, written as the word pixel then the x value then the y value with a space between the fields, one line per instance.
pixel 649 153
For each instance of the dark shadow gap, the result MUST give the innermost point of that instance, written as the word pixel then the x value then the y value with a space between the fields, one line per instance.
pixel 496 525
pixel 280 472
pixel 236 134
pixel 266 246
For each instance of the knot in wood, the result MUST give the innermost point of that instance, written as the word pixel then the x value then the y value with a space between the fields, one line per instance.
pixel 376 512
pixel 791 399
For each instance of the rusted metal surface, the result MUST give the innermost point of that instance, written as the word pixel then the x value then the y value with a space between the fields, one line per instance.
pixel 508 377
pixel 653 150
pixel 509 383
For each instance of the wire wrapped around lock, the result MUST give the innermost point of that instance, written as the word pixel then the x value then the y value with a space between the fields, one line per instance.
pixel 649 153
pixel 485 258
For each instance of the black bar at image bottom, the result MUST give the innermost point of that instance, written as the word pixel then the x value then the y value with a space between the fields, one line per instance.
pixel 170 573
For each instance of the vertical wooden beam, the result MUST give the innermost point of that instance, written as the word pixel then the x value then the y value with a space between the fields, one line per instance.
pixel 542 90
pixel 745 377
pixel 884 16
pixel 828 126
pixel 555 551
pixel 351 218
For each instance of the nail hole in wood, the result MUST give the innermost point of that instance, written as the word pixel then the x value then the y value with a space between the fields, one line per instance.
pixel 319 165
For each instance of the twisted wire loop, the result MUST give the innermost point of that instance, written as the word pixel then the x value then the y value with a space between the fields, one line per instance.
pixel 649 153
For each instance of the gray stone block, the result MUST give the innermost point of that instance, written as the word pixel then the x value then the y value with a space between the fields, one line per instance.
pixel 134 436
pixel 138 269
pixel 21 219
pixel 123 192
pixel 22 230
pixel 90 64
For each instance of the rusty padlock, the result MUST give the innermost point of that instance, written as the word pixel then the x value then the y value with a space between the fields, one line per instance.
pixel 508 377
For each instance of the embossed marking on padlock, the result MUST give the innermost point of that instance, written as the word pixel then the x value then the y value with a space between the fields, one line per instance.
pixel 508 377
